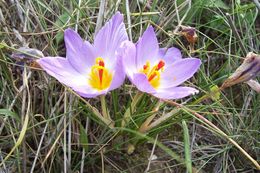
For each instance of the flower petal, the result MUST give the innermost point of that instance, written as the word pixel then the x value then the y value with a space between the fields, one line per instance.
pixel 169 55
pixel 178 72
pixel 147 48
pixel 88 95
pixel 141 82
pixel 128 54
pixel 175 92
pixel 119 75
pixel 88 92
pixel 110 37
pixel 62 70
pixel 80 54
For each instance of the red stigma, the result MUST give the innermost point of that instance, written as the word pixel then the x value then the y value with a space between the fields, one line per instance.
pixel 151 77
pixel 101 63
pixel 100 71
pixel 160 65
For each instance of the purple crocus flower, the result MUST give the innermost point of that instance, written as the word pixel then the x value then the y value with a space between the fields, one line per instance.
pixel 90 69
pixel 158 71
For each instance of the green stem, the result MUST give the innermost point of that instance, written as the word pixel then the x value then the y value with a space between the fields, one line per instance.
pixel 187 151
pixel 145 126
pixel 105 112
pixel 131 109
pixel 162 119
pixel 94 110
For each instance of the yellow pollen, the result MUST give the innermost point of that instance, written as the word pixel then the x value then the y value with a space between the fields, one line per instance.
pixel 100 77
pixel 153 74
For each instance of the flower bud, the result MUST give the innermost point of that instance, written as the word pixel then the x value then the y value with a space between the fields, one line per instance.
pixel 248 70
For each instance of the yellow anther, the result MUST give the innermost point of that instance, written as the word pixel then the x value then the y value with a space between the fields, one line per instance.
pixel 98 59
pixel 96 67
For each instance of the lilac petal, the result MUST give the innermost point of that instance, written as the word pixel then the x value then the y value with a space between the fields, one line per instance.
pixel 88 95
pixel 119 75
pixel 147 48
pixel 169 55
pixel 80 54
pixel 162 52
pixel 141 82
pixel 110 37
pixel 175 92
pixel 88 92
pixel 62 70
pixel 128 54
pixel 178 72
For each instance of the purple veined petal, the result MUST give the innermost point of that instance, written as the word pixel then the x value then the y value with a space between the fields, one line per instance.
pixel 175 92
pixel 128 55
pixel 80 54
pixel 178 72
pixel 62 70
pixel 109 39
pixel 141 82
pixel 119 75
pixel 170 55
pixel 147 48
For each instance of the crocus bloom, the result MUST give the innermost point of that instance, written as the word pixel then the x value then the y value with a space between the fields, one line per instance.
pixel 158 71
pixel 90 69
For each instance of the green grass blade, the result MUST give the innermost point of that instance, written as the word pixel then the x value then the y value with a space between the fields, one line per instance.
pixel 187 147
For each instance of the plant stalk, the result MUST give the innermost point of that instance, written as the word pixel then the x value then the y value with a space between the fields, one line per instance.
pixel 132 107
pixel 105 111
